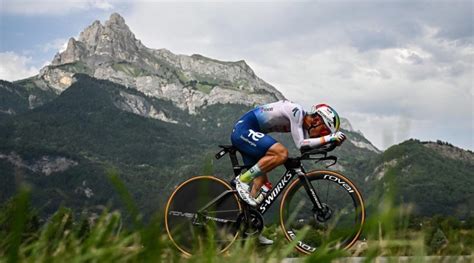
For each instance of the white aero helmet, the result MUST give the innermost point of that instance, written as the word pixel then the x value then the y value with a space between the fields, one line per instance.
pixel 329 116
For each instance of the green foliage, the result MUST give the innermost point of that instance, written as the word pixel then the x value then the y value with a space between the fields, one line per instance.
pixel 205 88
pixel 84 125
pixel 17 97
pixel 438 241
pixel 129 69
pixel 75 67
pixel 208 168
pixel 448 235
pixel 13 226
pixel 107 239
pixel 432 183
pixel 11 99
pixel 125 195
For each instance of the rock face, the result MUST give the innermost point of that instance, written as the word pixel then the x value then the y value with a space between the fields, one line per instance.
pixel 140 106
pixel 365 145
pixel 449 151
pixel 45 165
pixel 112 52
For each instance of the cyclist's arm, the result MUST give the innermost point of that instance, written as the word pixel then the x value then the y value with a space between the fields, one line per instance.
pixel 297 132
pixel 309 143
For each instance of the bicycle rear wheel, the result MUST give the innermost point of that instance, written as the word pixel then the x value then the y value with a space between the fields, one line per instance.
pixel 342 223
pixel 215 227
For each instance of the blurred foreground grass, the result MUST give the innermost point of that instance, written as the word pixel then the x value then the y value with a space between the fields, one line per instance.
pixel 389 231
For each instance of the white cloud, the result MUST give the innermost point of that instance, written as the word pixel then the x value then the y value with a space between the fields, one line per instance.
pixel 392 69
pixel 53 7
pixel 14 66
pixel 57 45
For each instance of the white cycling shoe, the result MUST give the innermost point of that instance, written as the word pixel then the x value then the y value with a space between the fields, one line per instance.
pixel 243 190
pixel 264 241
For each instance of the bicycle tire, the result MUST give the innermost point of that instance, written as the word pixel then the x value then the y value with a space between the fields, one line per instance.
pixel 334 191
pixel 191 233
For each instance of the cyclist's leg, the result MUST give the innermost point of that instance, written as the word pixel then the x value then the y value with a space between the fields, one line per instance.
pixel 276 155
pixel 269 154
pixel 257 149
pixel 257 184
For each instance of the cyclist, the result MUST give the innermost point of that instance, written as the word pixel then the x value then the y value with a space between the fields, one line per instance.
pixel 311 129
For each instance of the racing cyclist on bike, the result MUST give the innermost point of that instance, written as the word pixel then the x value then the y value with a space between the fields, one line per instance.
pixel 309 129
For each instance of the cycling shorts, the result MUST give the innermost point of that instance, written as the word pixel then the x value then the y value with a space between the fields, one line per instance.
pixel 248 139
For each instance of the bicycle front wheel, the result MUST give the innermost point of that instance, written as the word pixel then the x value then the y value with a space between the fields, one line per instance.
pixel 201 214
pixel 338 227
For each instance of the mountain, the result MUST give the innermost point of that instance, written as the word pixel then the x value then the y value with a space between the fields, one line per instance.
pixel 18 98
pixel 112 52
pixel 433 177
pixel 64 147
pixel 109 102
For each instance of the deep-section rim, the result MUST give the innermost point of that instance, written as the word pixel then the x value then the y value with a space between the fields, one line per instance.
pixel 316 173
pixel 186 253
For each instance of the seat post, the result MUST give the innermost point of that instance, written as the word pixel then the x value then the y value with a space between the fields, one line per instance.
pixel 235 162
pixel 233 158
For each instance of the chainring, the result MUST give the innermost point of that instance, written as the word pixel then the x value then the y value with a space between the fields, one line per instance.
pixel 252 224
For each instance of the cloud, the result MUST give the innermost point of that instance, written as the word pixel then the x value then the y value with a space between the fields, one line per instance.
pixel 380 89
pixel 14 66
pixel 57 45
pixel 53 7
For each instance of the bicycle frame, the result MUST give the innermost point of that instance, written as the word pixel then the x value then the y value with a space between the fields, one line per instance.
pixel 293 167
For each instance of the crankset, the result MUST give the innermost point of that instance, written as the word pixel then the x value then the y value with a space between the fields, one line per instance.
pixel 251 222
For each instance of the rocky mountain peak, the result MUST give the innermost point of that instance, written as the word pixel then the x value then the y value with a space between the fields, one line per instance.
pixel 116 20
pixel 92 34
pixel 74 52
pixel 112 41
pixel 113 29
pixel 111 51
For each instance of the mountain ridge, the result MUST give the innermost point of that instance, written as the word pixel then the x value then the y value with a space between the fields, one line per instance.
pixel 112 52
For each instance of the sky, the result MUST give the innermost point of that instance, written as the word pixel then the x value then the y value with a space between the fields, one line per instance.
pixel 396 69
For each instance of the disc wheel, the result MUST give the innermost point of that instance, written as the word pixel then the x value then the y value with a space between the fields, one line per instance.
pixel 192 228
pixel 337 226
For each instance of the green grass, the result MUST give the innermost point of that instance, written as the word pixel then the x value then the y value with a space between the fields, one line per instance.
pixel 67 237
pixel 204 88
pixel 74 67
pixel 129 69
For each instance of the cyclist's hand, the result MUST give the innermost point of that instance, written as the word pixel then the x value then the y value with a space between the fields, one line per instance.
pixel 338 138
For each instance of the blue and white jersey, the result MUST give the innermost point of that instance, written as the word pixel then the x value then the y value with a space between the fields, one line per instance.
pixel 282 116
pixel 250 131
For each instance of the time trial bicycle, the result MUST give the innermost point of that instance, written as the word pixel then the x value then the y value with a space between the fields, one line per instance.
pixel 320 207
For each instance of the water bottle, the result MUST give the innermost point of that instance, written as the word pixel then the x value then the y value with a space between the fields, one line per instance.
pixel 264 190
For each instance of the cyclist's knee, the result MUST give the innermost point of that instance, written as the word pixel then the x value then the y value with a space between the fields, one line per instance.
pixel 283 156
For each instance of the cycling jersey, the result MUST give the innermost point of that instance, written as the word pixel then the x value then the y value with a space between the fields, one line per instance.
pixel 250 131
